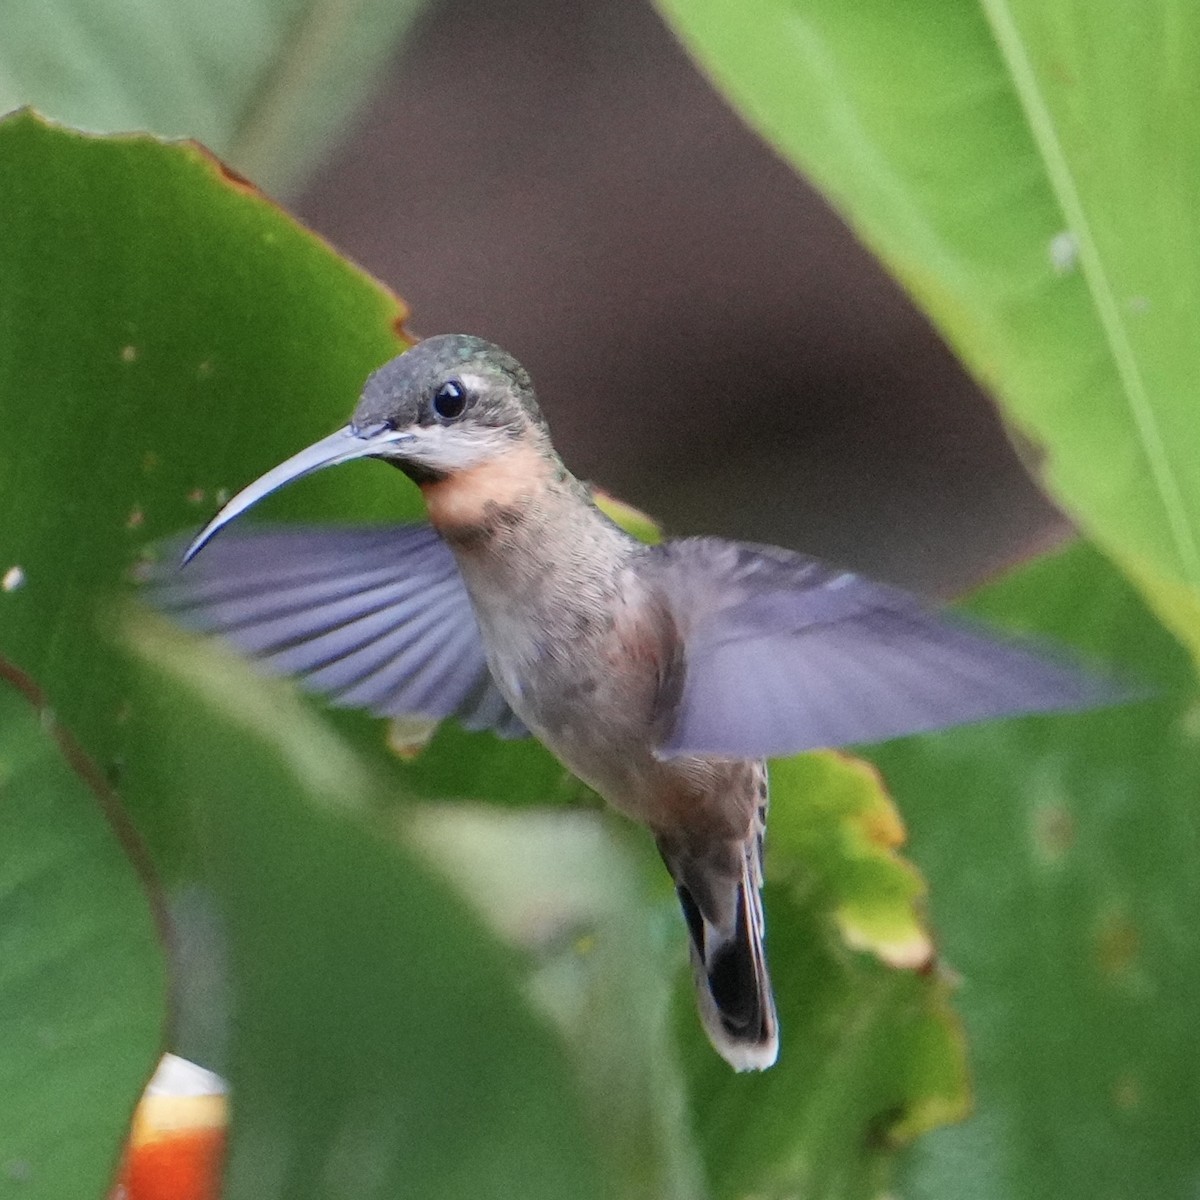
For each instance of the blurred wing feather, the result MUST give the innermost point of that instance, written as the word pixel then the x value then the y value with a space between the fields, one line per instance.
pixel 374 617
pixel 784 654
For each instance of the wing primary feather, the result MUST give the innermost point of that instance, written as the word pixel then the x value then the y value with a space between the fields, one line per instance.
pixel 248 563
pixel 377 615
pixel 397 660
pixel 783 654
pixel 374 642
pixel 430 679
pixel 235 611
pixel 260 632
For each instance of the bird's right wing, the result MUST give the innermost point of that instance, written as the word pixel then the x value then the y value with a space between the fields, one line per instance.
pixel 375 617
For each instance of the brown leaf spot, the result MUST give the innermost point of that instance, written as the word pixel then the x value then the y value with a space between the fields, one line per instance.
pixel 1053 833
pixel 140 571
pixel 1127 1092
pixel 400 325
pixel 1117 944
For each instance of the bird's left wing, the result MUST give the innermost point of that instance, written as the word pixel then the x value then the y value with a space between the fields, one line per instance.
pixel 782 654
pixel 375 617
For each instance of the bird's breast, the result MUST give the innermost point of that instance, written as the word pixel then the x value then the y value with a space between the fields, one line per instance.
pixel 585 673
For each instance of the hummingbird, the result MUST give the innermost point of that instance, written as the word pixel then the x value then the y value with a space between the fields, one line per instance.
pixel 663 676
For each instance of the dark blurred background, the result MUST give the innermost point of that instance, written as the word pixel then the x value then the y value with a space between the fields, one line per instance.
pixel 706 336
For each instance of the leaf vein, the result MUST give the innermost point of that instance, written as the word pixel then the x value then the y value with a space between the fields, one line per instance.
pixel 1012 48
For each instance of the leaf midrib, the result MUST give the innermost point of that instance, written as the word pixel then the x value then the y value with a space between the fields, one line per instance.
pixel 1062 180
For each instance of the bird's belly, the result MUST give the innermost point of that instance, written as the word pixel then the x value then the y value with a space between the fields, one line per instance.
pixel 598 722
pixel 612 755
pixel 598 717
pixel 700 798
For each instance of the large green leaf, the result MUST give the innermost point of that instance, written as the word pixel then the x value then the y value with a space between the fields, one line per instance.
pixel 266 83
pixel 1030 170
pixel 381 1046
pixel 1062 859
pixel 164 333
pixel 82 987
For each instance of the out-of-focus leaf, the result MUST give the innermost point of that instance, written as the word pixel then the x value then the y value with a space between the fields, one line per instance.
pixel 870 1053
pixel 1061 855
pixel 1030 170
pixel 840 836
pixel 632 520
pixel 381 1045
pixel 82 986
pixel 602 932
pixel 265 83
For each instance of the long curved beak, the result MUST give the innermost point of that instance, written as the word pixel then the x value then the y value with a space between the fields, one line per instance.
pixel 345 445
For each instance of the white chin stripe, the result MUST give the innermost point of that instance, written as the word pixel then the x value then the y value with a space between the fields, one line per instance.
pixel 456 447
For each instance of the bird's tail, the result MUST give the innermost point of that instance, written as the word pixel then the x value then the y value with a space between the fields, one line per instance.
pixel 720 897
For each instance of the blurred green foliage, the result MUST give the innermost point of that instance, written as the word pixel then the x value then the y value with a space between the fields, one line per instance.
pixel 267 84
pixel 82 976
pixel 1061 860
pixel 165 333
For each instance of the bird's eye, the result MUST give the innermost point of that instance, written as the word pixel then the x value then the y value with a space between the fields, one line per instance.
pixel 450 400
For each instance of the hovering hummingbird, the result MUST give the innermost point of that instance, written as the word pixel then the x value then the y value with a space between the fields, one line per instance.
pixel 663 676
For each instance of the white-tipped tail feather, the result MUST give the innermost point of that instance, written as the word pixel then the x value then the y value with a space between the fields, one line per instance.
pixel 724 914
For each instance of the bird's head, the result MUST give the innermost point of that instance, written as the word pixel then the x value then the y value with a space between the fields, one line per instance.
pixel 451 405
